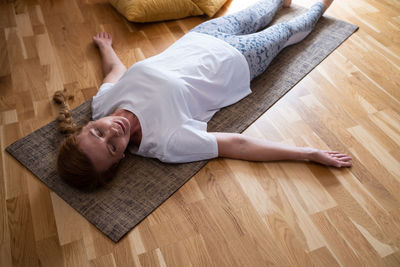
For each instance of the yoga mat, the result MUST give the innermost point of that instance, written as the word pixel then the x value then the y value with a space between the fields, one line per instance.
pixel 142 184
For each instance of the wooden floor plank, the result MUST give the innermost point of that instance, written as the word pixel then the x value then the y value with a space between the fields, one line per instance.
pixel 232 213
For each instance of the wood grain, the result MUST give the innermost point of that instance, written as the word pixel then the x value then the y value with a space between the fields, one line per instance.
pixel 232 213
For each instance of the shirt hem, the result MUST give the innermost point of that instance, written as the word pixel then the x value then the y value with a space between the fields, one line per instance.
pixel 241 56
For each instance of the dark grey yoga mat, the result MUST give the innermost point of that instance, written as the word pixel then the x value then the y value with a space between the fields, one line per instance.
pixel 143 184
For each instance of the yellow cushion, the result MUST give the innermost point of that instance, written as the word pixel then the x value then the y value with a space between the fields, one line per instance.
pixel 156 10
pixel 210 7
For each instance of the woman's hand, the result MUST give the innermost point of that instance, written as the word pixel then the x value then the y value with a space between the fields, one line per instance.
pixel 329 158
pixel 102 39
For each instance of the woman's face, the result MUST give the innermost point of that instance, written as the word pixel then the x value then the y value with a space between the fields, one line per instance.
pixel 105 140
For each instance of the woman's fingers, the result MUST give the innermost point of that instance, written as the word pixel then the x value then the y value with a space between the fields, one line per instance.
pixel 346 164
pixel 339 163
pixel 342 156
pixel 338 155
pixel 102 38
pixel 340 159
pixel 331 152
pixel 104 35
pixel 344 161
pixel 332 158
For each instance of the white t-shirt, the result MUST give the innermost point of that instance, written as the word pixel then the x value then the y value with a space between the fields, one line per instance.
pixel 174 94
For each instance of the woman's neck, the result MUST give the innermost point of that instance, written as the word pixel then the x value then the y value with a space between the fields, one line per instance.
pixel 136 129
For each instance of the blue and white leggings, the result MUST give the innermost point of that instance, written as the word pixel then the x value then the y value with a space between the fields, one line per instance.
pixel 259 48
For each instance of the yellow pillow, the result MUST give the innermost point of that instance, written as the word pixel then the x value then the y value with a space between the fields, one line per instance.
pixel 210 7
pixel 156 10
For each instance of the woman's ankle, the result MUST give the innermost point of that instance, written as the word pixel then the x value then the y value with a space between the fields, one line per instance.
pixel 287 3
pixel 326 3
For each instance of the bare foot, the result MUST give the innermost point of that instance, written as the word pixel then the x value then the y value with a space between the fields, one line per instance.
pixel 102 39
pixel 326 3
pixel 287 3
pixel 330 158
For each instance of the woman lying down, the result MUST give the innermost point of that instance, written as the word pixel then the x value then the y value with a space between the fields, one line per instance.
pixel 159 107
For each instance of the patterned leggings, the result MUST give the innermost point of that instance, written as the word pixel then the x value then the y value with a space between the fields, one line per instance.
pixel 259 48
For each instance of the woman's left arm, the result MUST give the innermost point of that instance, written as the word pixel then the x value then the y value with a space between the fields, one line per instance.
pixel 238 146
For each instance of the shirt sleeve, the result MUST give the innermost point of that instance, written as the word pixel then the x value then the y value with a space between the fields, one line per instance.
pixel 104 88
pixel 97 101
pixel 191 142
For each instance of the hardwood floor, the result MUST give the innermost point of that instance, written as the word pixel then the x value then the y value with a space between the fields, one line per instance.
pixel 232 213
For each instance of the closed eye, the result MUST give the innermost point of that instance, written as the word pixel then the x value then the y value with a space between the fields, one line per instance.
pixel 99 133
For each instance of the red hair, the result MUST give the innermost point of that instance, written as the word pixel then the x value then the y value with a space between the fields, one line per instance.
pixel 73 165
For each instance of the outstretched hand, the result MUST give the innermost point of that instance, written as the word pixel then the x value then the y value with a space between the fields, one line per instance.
pixel 331 158
pixel 102 38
